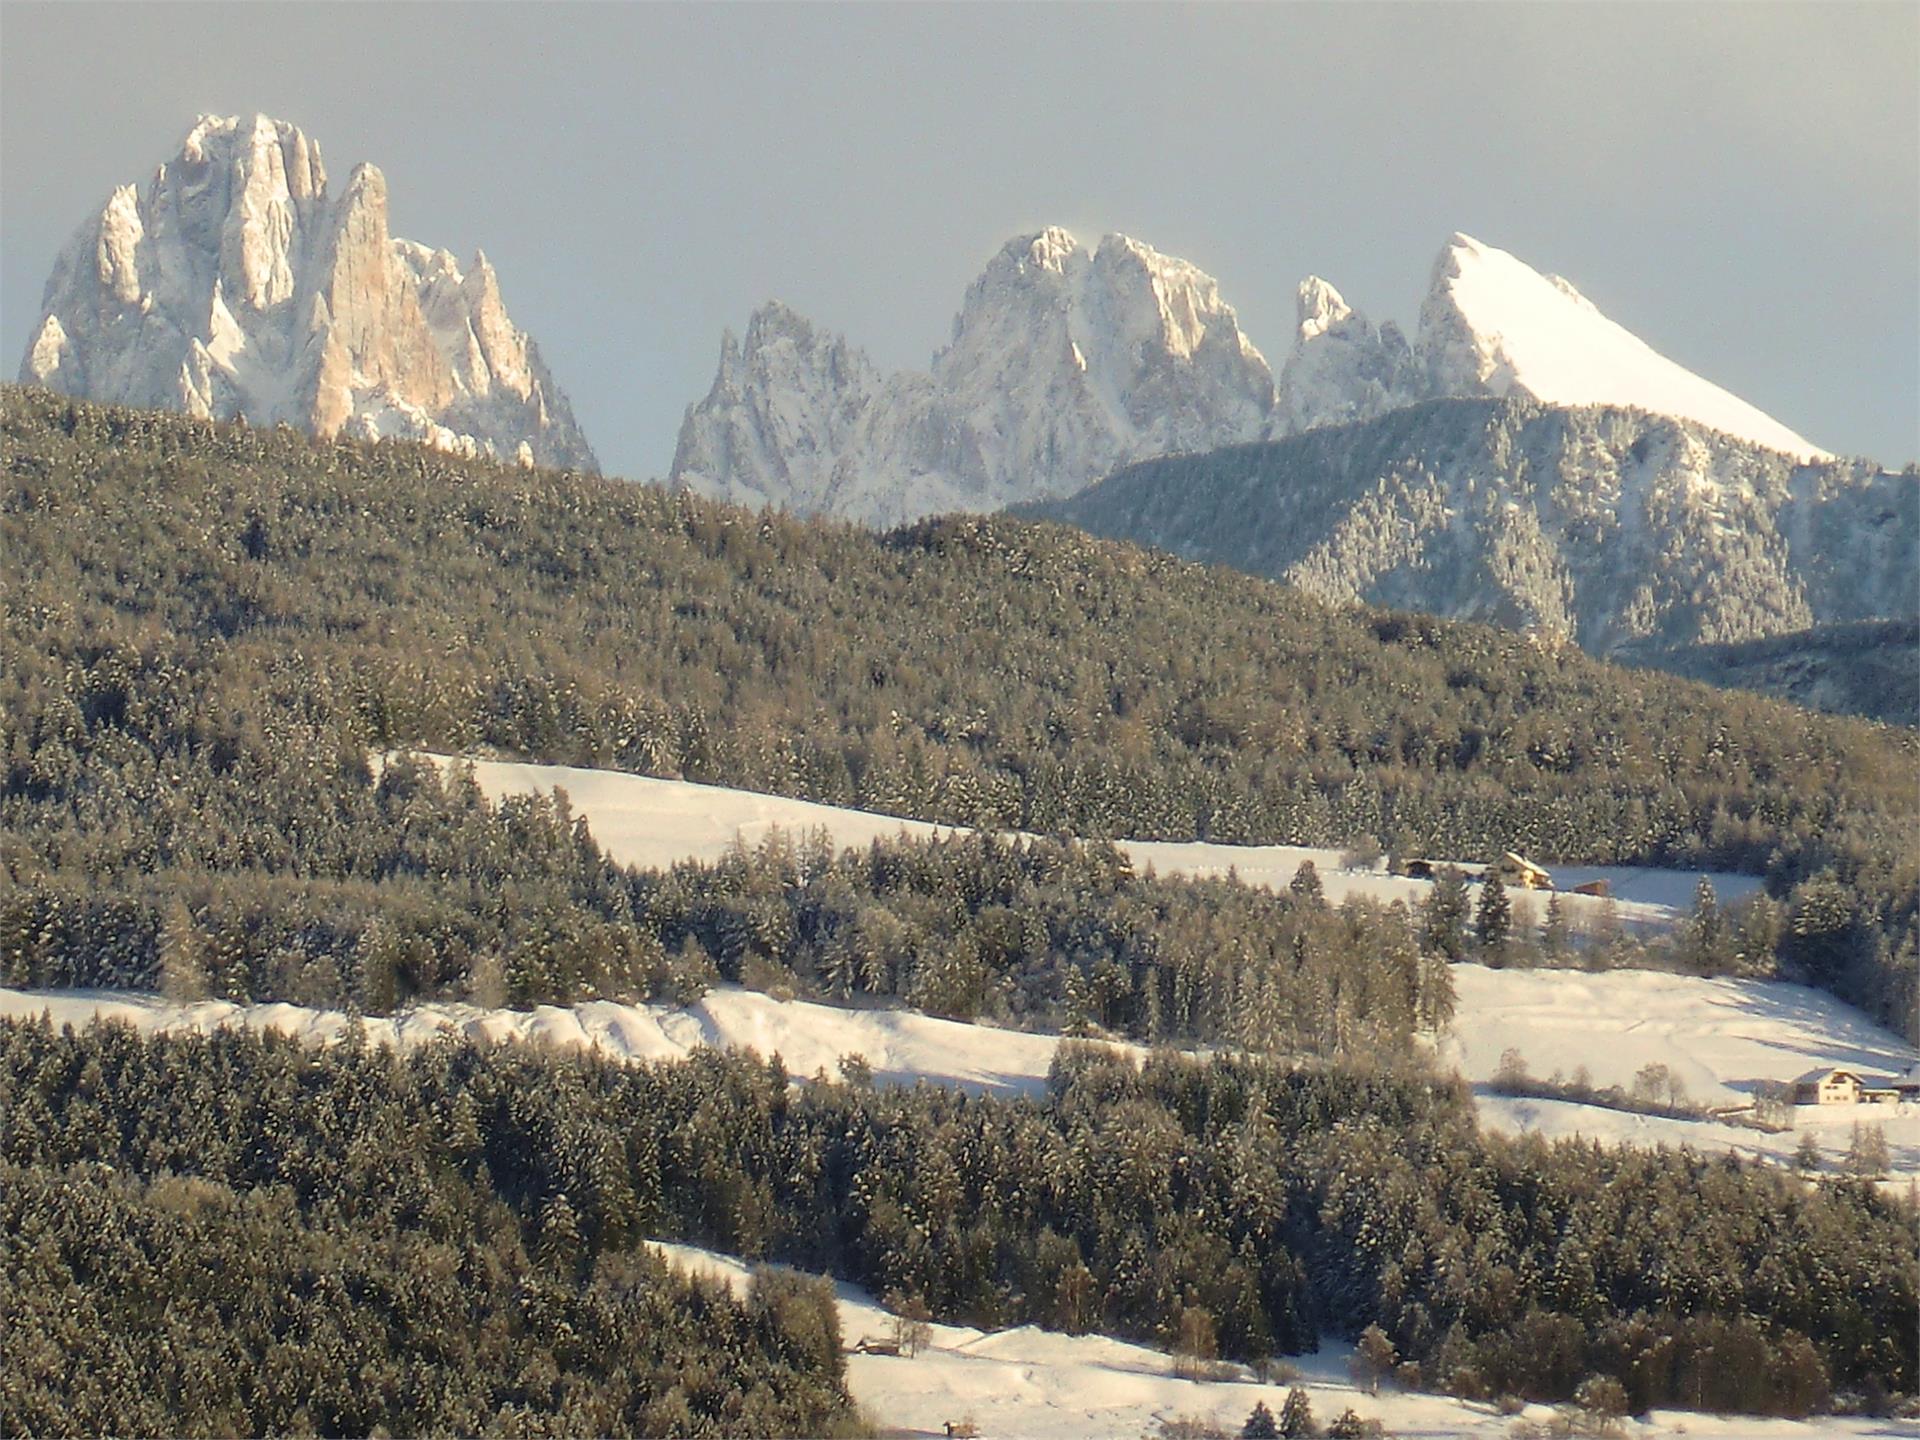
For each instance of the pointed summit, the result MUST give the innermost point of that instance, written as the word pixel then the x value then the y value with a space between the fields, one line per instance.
pixel 1341 369
pixel 1493 325
pixel 237 287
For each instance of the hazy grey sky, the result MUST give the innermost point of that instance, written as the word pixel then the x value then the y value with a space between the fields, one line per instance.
pixel 1738 184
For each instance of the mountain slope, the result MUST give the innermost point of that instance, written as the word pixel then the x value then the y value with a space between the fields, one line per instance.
pixel 1612 528
pixel 1870 668
pixel 212 626
pixel 236 286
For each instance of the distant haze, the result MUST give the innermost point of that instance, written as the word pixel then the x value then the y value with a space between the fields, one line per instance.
pixel 1739 185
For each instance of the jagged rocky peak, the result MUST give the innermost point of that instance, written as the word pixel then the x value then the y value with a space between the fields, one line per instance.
pixel 1062 363
pixel 237 286
pixel 783 408
pixel 1341 368
pixel 1493 325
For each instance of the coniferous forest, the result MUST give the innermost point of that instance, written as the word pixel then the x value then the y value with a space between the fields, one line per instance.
pixel 209 630
pixel 211 636
pixel 466 1225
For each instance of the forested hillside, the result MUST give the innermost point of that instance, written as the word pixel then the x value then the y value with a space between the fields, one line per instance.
pixel 1870 668
pixel 207 629
pixel 443 1209
pixel 1613 528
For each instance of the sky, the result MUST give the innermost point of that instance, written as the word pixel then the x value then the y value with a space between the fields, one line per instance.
pixel 1737 184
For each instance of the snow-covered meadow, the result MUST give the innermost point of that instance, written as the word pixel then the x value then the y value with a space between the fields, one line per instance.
pixel 1043 1385
pixel 1720 1037
pixel 650 823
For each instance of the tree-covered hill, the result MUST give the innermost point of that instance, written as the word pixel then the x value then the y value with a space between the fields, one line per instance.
pixel 1871 668
pixel 462 1227
pixel 1620 530
pixel 207 628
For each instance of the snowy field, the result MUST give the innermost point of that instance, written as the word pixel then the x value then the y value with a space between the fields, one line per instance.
pixel 652 823
pixel 1042 1385
pixel 902 1047
pixel 1028 1382
pixel 1721 1037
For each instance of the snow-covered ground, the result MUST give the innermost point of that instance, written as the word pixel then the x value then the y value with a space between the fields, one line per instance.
pixel 1721 1037
pixel 652 823
pixel 1042 1385
pixel 1033 1383
pixel 902 1046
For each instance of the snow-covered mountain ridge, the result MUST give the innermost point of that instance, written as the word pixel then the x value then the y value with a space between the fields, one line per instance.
pixel 237 286
pixel 1622 531
pixel 1067 363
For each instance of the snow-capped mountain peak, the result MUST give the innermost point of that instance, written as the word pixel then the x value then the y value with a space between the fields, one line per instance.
pixel 1341 368
pixel 1493 325
pixel 236 286
pixel 1062 364
pixel 1319 308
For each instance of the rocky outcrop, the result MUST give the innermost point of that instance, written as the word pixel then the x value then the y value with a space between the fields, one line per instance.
pixel 235 286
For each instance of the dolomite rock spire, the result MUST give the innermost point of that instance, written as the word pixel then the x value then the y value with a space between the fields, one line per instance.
pixel 235 285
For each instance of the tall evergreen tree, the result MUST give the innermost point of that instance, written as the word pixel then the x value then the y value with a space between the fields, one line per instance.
pixel 1493 918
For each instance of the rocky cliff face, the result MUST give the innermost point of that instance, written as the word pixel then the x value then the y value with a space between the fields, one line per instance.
pixel 1063 363
pixel 1342 369
pixel 236 286
pixel 1066 363
pixel 1622 531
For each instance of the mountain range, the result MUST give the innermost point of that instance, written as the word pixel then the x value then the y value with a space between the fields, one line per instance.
pixel 236 286
pixel 1066 363
pixel 1521 459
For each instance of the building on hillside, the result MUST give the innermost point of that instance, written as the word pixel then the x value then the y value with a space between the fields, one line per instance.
pixel 1832 1085
pixel 1827 1086
pixel 1518 870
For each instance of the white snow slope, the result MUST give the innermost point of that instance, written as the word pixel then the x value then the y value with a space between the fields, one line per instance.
pixel 1043 1385
pixel 1722 1037
pixel 1493 325
pixel 652 823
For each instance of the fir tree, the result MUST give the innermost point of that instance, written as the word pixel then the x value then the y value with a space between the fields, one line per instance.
pixel 1493 918
pixel 1296 1416
pixel 1260 1424
pixel 1444 917
pixel 1555 937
